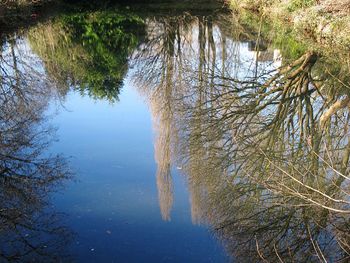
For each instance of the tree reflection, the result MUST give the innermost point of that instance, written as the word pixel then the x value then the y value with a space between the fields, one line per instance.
pixel 162 62
pixel 30 231
pixel 161 107
pixel 263 141
pixel 88 51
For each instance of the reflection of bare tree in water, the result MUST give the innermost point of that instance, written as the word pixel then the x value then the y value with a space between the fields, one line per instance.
pixel 29 230
pixel 265 148
pixel 164 60
pixel 162 113
pixel 161 50
pixel 287 193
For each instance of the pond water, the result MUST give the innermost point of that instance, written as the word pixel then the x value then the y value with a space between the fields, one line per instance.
pixel 135 134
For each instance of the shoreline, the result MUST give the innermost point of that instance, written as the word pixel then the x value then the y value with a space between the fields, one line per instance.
pixel 322 25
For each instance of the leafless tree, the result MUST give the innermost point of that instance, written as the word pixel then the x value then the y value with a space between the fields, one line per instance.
pixel 30 230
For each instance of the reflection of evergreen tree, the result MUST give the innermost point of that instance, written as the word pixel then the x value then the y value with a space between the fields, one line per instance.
pixel 88 51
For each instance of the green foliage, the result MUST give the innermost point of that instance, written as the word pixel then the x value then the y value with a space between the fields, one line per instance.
pixel 108 39
pixel 294 5
pixel 276 34
pixel 304 23
pixel 287 42
pixel 89 49
pixel 290 5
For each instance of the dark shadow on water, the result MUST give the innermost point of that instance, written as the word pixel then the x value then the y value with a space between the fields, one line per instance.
pixel 30 230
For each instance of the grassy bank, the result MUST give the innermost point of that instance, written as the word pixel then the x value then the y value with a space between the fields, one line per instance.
pixel 325 22
pixel 22 13
pixel 15 14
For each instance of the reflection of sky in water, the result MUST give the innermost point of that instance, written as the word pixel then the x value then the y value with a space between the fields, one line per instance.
pixel 113 206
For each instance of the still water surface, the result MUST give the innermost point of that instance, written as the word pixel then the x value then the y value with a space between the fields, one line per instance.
pixel 114 207
pixel 131 136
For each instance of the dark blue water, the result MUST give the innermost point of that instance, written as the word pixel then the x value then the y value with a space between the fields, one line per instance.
pixel 113 206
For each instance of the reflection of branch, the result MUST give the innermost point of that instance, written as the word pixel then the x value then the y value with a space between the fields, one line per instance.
pixel 339 104
pixel 258 250
pixel 316 247
pixel 30 231
pixel 307 186
pixel 250 143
